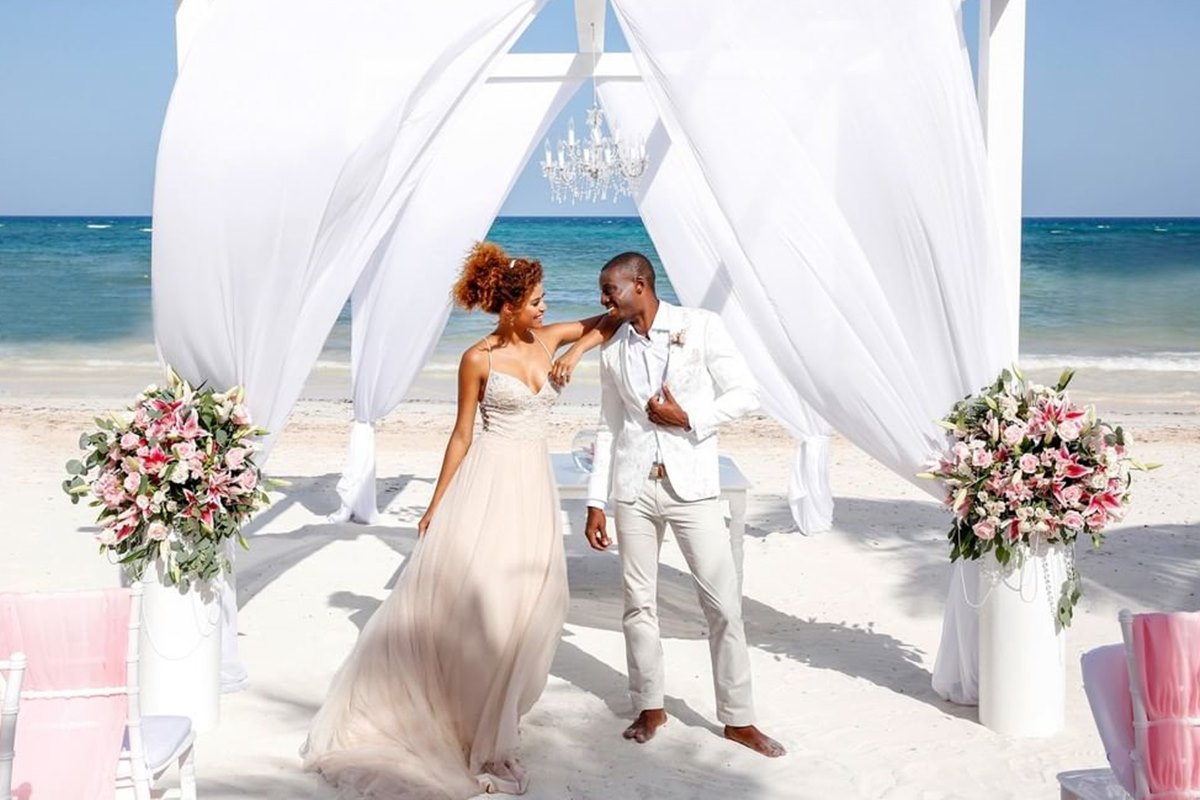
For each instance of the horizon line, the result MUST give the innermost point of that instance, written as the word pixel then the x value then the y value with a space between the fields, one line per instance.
pixel 634 216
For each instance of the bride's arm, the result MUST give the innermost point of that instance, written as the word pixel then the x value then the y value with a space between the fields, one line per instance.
pixel 585 334
pixel 472 372
pixel 595 330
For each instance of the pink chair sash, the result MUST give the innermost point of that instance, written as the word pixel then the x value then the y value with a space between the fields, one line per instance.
pixel 74 640
pixel 1166 653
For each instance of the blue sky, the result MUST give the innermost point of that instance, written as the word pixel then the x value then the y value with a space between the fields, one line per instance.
pixel 1112 120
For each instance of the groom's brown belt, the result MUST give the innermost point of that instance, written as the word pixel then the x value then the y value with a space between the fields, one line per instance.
pixel 658 472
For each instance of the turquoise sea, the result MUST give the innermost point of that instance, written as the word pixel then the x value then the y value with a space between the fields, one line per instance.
pixel 1115 294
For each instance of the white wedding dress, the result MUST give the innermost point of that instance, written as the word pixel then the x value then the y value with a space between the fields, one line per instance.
pixel 427 704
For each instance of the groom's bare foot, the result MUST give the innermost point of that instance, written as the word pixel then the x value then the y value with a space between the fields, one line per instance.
pixel 755 739
pixel 646 725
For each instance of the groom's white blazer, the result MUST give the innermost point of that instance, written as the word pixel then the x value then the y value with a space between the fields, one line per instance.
pixel 710 381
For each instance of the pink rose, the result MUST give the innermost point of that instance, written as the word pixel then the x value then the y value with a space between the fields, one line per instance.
pixel 132 483
pixel 130 441
pixel 985 529
pixel 1073 520
pixel 235 457
pixel 1028 463
pixel 1072 495
pixel 981 458
pixel 240 415
pixel 1069 431
pixel 248 480
pixel 1014 434
pixel 157 531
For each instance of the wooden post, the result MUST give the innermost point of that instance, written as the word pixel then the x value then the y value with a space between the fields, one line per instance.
pixel 1001 91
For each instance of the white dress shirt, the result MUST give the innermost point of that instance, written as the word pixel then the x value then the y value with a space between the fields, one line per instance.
pixel 647 355
pixel 647 358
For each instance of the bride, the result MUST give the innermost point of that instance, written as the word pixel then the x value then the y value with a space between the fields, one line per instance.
pixel 427 704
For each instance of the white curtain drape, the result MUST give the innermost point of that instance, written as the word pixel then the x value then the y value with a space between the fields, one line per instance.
pixel 293 138
pixel 843 145
pixel 401 301
pixel 694 239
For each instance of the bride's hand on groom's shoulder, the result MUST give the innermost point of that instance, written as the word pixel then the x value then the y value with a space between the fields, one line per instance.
pixel 560 371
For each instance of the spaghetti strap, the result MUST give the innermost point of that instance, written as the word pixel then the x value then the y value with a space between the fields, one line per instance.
pixel 546 349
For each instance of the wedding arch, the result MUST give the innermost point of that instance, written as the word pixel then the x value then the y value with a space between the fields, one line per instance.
pixel 818 176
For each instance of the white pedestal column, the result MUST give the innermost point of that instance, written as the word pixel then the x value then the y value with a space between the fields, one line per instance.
pixel 181 651
pixel 1022 668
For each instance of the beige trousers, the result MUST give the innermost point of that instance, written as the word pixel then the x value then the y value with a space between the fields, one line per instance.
pixel 703 538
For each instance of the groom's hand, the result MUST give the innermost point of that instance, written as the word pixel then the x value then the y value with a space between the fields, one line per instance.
pixel 595 531
pixel 664 410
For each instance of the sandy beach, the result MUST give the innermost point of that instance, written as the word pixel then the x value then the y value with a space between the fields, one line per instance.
pixel 843 626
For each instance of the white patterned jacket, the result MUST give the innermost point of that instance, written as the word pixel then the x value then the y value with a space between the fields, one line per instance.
pixel 710 381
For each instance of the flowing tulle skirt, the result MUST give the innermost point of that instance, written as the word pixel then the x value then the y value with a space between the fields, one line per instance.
pixel 428 702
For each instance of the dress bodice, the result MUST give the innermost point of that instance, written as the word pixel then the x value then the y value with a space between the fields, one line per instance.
pixel 511 409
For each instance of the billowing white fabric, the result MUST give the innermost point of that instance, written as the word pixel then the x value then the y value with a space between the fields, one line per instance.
pixel 356 487
pixel 956 669
pixel 695 242
pixel 293 139
pixel 401 301
pixel 810 496
pixel 842 143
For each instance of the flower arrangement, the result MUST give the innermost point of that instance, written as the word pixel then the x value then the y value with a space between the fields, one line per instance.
pixel 1025 467
pixel 172 482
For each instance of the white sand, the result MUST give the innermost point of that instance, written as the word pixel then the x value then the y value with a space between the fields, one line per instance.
pixel 843 626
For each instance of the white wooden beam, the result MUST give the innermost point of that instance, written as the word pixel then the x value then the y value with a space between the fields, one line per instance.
pixel 561 66
pixel 1001 90
pixel 589 25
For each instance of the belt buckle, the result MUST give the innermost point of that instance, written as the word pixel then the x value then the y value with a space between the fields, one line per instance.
pixel 658 471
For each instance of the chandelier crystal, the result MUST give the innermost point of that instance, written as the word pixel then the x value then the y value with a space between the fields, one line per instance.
pixel 596 166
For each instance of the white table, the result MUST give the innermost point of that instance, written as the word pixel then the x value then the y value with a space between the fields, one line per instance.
pixel 572 485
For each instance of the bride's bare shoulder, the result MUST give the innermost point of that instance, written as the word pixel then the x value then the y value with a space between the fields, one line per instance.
pixel 475 357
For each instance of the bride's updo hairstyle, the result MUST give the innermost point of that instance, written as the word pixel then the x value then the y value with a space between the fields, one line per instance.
pixel 490 279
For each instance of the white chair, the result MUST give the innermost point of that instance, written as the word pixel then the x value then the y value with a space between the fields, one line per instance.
pixel 1145 697
pixel 151 744
pixel 1106 684
pixel 81 698
pixel 11 673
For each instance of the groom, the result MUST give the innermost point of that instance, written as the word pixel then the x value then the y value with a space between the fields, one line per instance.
pixel 669 376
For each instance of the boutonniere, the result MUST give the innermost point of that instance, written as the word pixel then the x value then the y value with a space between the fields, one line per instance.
pixel 678 338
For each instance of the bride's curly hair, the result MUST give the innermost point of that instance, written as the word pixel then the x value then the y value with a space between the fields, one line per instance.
pixel 490 279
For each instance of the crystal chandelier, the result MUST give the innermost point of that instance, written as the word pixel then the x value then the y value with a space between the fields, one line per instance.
pixel 593 168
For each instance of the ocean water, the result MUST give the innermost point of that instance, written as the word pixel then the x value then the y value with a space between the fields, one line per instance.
pixel 1108 294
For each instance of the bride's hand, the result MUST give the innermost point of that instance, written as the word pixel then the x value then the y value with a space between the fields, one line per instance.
pixel 423 524
pixel 560 372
